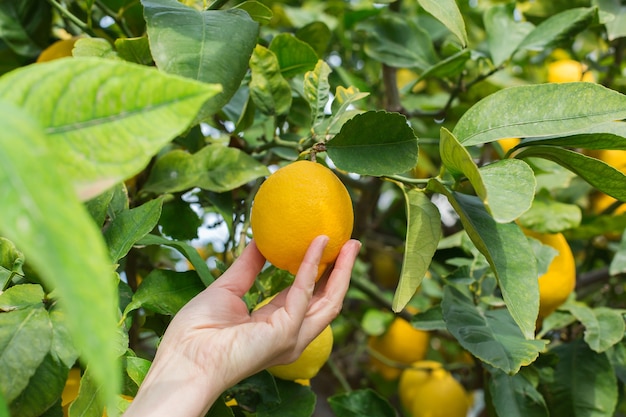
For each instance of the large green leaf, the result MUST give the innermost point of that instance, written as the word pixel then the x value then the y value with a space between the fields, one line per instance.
pixel 448 13
pixel 131 225
pixel 584 383
pixel 215 168
pixel 596 172
pixel 212 46
pixel 515 396
pixel 539 110
pixel 269 90
pixel 104 119
pixel 294 56
pixel 491 335
pixel 558 28
pixel 504 33
pixel 604 327
pixel 508 252
pixel 422 236
pixel 374 143
pixel 25 337
pixel 317 93
pixel 43 217
pixel 365 402
pixel 398 42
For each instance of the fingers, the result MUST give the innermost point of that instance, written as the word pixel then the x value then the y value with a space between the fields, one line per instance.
pixel 239 277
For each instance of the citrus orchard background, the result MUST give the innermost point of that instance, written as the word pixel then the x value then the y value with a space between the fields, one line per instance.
pixel 482 145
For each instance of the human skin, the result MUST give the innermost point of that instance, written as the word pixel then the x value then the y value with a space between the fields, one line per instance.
pixel 214 341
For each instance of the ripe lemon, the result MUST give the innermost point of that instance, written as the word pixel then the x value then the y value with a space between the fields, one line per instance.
pixel 428 390
pixel 293 206
pixel 309 363
pixel 508 143
pixel 401 343
pixel 560 279
pixel 567 71
pixel 59 49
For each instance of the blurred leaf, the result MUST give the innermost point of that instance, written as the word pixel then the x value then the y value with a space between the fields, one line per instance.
pixel 187 250
pixel 584 383
pixel 130 226
pixel 99 145
pixel 508 252
pixel 199 45
pixel 510 185
pixel 269 90
pixel 515 396
pixel 364 402
pixel 316 93
pixel 165 292
pixel 4 409
pixel 604 327
pixel 215 168
pixel 449 67
pixel 616 28
pixel 530 111
pixel 25 337
pixel 431 319
pixel 295 401
pixel 448 13
pixel 422 237
pixel 294 56
pixel 618 263
pixel 504 33
pixel 596 172
pixel 94 48
pixel 398 42
pixel 258 11
pixel 547 215
pixel 316 34
pixel 559 28
pixel 43 390
pixel 39 204
pixel 135 50
pixel 389 146
pixel 375 322
pixel 25 25
pixel 11 261
pixel 492 335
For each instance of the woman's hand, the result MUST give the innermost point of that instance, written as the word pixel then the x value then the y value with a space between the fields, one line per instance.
pixel 214 342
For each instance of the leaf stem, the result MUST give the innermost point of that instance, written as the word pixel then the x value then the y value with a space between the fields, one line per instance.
pixel 65 12
pixel 116 17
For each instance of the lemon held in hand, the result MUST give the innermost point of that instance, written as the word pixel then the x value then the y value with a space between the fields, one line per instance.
pixel 293 206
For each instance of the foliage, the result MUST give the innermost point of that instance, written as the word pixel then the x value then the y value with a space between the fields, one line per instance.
pixel 128 170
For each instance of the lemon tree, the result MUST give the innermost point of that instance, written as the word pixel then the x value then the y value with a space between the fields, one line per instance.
pixel 476 149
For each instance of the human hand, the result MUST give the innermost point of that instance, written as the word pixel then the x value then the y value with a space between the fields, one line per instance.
pixel 214 342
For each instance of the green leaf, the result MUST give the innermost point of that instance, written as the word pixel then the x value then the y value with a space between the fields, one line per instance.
pixel 215 168
pixel 11 261
pixel 515 396
pixel 258 11
pixel 596 172
pixel 504 33
pixel 137 368
pixel 179 221
pixel 43 390
pixel 510 185
pixel 269 90
pixel 130 226
pixel 458 161
pixel 94 48
pixel 584 383
pixel 431 319
pixel 398 42
pixel 135 50
pixel 165 291
pixel 508 252
pixel 98 145
pixel 618 263
pixel 492 335
pixel 530 111
pixel 448 13
pixel 198 44
pixel 449 67
pixel 25 25
pixel 547 215
pixel 317 92
pixel 89 402
pixel 296 401
pixel 559 28
pixel 615 28
pixel 21 296
pixel 62 340
pixel 187 250
pixel 604 327
pixel 611 135
pixel 25 339
pixel 344 99
pixel 316 34
pixel 39 206
pixel 363 402
pixel 422 237
pixel 294 56
pixel 374 143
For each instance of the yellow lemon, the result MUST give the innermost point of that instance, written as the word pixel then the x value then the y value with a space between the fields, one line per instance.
pixel 293 206
pixel 559 281
pixel 617 159
pixel 567 71
pixel 59 49
pixel 401 343
pixel 428 390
